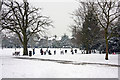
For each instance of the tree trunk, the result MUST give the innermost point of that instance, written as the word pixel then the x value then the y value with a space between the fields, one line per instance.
pixel 25 49
pixel 87 51
pixel 106 40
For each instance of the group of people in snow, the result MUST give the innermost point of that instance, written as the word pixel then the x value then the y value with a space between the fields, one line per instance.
pixel 72 51
pixel 54 52
pixel 44 52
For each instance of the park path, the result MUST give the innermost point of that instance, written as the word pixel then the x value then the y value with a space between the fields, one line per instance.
pixel 67 62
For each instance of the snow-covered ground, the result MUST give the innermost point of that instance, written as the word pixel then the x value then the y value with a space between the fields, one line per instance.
pixel 24 68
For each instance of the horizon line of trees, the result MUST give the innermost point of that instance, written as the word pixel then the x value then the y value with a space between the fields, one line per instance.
pixel 12 41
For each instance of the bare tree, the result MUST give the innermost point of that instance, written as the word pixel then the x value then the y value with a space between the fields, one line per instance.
pixel 23 20
pixel 78 17
pixel 85 28
pixel 107 14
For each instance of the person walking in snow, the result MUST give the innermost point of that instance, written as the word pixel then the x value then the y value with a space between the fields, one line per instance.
pixel 33 51
pixel 75 50
pixel 72 51
pixel 61 52
pixel 54 52
pixel 49 52
pixel 44 52
pixel 41 51
pixel 65 51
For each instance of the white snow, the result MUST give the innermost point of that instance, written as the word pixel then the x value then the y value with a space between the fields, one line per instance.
pixel 23 68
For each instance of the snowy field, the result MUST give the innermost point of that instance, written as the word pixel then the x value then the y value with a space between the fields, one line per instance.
pixel 12 67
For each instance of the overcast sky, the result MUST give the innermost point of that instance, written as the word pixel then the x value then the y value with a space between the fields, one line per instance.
pixel 59 11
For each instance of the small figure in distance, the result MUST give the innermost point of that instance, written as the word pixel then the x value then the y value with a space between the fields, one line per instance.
pixel 72 51
pixel 49 52
pixel 75 50
pixel 65 51
pixel 33 51
pixel 41 51
pixel 54 52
